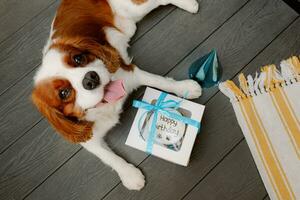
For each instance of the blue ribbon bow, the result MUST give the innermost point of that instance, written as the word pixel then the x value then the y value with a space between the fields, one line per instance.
pixel 161 106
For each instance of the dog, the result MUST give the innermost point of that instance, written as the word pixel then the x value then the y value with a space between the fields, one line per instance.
pixel 86 74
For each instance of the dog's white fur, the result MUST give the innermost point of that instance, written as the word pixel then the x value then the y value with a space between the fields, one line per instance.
pixel 126 15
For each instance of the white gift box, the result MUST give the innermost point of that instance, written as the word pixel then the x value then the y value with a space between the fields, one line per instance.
pixel 174 140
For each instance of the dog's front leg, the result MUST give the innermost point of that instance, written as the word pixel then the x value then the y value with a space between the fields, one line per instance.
pixel 131 177
pixel 186 88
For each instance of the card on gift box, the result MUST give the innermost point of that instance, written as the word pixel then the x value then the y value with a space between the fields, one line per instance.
pixel 174 138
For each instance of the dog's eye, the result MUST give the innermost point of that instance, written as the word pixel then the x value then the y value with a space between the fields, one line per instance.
pixel 79 59
pixel 65 93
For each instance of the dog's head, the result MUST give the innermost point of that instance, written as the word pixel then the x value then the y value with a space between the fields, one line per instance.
pixel 72 80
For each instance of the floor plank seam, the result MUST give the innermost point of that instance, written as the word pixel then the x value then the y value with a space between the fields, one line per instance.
pixel 119 182
pixel 259 52
pixel 45 179
pixel 293 4
pixel 213 167
pixel 136 39
pixel 22 135
pixel 265 197
pixel 28 22
pixel 19 79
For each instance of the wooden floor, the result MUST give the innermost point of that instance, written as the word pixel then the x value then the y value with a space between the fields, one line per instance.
pixel 36 163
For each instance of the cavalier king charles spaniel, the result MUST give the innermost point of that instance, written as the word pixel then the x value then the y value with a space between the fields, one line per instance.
pixel 86 74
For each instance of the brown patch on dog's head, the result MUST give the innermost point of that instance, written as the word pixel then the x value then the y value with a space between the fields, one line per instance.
pixel 83 18
pixel 79 29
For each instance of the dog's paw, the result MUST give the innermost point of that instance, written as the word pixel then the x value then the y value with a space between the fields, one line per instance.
pixel 191 6
pixel 189 89
pixel 132 178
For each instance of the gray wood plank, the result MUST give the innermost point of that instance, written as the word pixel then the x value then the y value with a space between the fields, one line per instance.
pixel 31 159
pixel 17 113
pixel 220 147
pixel 220 133
pixel 151 20
pixel 236 177
pixel 22 52
pixel 15 14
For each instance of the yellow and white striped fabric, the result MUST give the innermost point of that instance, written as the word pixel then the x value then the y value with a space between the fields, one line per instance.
pixel 267 108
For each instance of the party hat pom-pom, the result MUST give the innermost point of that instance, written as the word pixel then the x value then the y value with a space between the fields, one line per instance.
pixel 206 70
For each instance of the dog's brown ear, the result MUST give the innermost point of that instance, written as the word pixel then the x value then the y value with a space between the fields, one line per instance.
pixel 71 128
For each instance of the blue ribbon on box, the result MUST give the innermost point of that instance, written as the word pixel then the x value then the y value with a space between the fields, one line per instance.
pixel 161 106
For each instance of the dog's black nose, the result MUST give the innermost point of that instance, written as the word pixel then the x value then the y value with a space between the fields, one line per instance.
pixel 91 80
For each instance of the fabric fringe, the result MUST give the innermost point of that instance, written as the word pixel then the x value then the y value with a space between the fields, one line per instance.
pixel 267 80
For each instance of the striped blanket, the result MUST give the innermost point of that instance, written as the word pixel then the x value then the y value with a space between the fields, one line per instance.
pixel 267 108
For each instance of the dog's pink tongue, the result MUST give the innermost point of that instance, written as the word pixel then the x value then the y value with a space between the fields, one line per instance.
pixel 114 91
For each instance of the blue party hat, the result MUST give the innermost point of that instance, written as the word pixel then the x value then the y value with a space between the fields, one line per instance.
pixel 206 70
